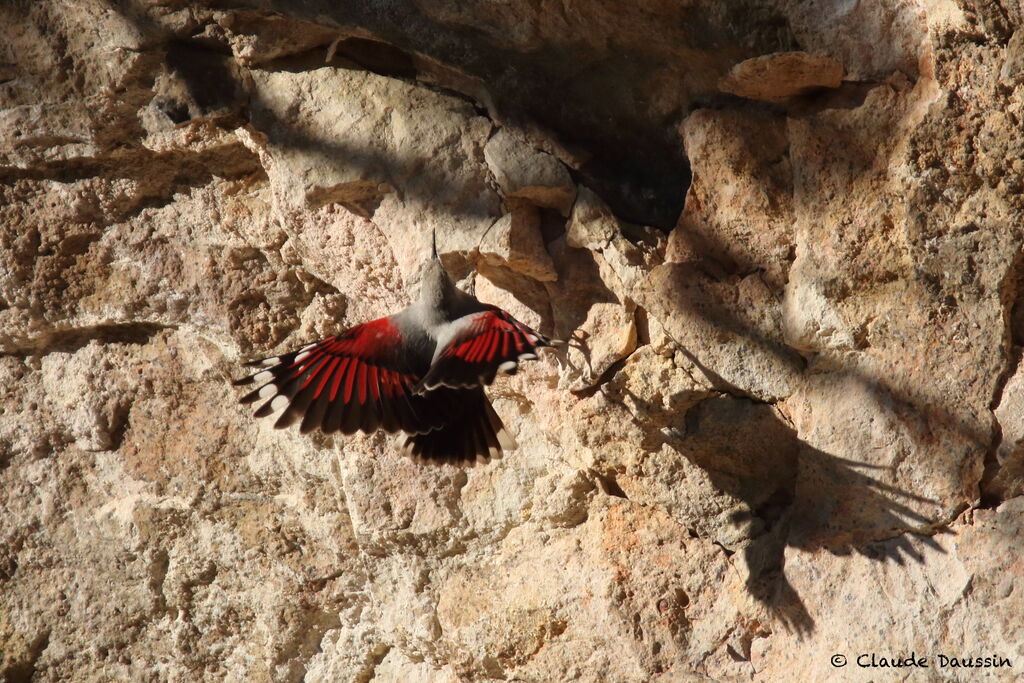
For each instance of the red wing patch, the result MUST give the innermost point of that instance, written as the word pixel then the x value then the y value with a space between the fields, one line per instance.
pixel 491 341
pixel 354 381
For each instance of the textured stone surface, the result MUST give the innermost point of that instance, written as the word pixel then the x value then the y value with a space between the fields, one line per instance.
pixel 775 77
pixel 787 426
pixel 529 174
pixel 515 242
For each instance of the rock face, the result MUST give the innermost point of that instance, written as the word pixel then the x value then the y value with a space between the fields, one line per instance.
pixel 774 78
pixel 788 427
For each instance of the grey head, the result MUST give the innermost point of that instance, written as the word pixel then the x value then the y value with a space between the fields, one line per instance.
pixel 435 287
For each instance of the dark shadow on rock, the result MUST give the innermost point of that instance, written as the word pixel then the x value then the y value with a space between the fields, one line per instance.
pixel 205 82
pixel 710 296
pixel 212 79
pixel 609 86
pixel 716 302
pixel 579 286
pixel 591 98
pixel 377 171
pixel 799 496
pixel 790 493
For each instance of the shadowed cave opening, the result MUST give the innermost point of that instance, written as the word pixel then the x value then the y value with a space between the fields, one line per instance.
pixel 640 169
pixel 590 102
pixel 637 166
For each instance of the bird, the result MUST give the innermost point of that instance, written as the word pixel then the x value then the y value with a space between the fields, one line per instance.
pixel 420 371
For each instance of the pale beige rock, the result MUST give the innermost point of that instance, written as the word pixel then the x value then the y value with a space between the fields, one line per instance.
pixel 512 300
pixel 805 440
pixel 732 329
pixel 398 667
pixel 41 133
pixel 515 242
pixel 592 224
pixel 622 261
pixel 865 471
pixel 1013 62
pixel 1006 475
pixel 258 37
pixel 778 76
pixel 606 336
pixel 949 564
pixel 872 39
pixel 523 172
pixel 93 410
pixel 355 151
pixel 739 209
pixel 810 321
pixel 658 384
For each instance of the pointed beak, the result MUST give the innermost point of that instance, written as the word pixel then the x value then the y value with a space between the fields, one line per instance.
pixel 433 244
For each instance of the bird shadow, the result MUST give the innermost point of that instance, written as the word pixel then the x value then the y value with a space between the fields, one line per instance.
pixel 789 494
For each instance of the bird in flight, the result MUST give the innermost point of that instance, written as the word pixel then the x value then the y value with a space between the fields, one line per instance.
pixel 420 371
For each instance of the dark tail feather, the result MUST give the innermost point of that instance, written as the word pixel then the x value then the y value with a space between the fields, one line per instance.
pixel 477 435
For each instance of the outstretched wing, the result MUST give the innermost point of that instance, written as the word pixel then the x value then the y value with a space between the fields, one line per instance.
pixel 357 380
pixel 479 346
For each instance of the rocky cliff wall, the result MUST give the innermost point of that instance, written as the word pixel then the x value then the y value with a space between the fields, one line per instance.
pixel 792 429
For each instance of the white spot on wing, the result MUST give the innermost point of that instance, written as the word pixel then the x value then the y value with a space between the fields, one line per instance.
pixel 279 403
pixel 270 362
pixel 262 377
pixel 301 356
pixel 507 366
pixel 267 391
pixel 528 356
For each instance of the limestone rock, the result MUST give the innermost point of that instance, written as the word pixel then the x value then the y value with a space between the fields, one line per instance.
pixel 592 224
pixel 775 77
pixel 258 37
pixel 796 397
pixel 1006 476
pixel 515 294
pixel 810 321
pixel 530 174
pixel 739 209
pixel 622 261
pixel 515 242
pixel 732 328
pixel 350 151
pixel 659 385
pixel 607 336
